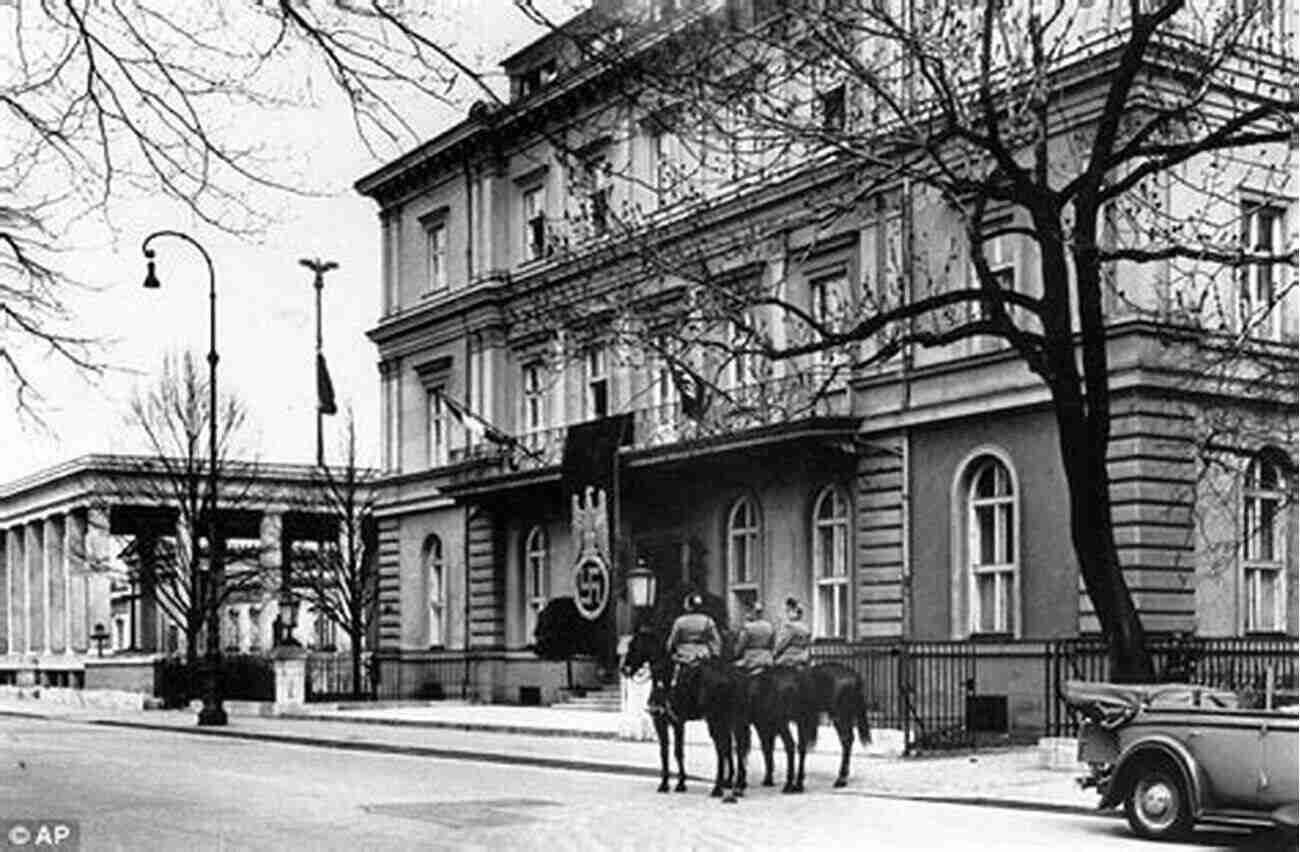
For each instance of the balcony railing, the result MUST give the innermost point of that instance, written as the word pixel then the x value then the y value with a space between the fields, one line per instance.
pixel 785 400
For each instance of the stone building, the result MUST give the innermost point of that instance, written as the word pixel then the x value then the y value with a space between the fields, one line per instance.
pixel 920 499
pixel 72 537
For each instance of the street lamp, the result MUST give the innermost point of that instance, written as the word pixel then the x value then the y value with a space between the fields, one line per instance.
pixel 641 582
pixel 212 713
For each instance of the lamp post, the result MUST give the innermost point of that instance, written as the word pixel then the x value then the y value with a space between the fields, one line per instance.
pixel 212 713
pixel 641 583
pixel 320 267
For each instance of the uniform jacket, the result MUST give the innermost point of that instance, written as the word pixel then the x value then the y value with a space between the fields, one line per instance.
pixel 754 644
pixel 694 637
pixel 793 645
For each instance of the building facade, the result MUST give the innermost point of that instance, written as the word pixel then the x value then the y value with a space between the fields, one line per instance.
pixel 922 497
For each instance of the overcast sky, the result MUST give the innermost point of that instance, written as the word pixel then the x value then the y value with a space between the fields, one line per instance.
pixel 265 333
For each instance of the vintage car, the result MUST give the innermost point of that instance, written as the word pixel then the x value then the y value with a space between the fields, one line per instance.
pixel 1176 754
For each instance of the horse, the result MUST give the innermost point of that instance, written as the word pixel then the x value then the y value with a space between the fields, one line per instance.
pixel 837 691
pixel 709 690
pixel 776 697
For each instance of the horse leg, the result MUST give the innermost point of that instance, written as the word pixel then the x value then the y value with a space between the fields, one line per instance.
pixel 844 727
pixel 766 742
pixel 679 748
pixel 719 757
pixel 786 740
pixel 741 738
pixel 661 731
pixel 807 729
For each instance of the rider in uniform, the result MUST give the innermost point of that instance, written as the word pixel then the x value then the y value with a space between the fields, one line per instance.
pixel 754 642
pixel 793 645
pixel 694 636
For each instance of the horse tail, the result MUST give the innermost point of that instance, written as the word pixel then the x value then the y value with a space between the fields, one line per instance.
pixel 864 726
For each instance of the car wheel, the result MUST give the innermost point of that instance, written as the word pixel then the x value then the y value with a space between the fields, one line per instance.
pixel 1157 806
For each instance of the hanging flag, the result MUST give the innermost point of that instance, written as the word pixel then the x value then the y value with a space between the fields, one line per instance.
pixel 324 388
pixel 476 426
pixel 693 393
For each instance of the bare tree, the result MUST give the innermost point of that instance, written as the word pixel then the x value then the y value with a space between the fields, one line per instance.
pixel 340 578
pixel 1069 130
pixel 171 416
pixel 110 103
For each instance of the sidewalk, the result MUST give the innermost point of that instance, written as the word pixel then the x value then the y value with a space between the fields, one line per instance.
pixel 586 740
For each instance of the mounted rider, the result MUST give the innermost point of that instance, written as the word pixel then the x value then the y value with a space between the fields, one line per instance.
pixel 694 637
pixel 754 642
pixel 793 644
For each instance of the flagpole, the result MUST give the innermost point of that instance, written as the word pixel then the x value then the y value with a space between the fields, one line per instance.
pixel 320 268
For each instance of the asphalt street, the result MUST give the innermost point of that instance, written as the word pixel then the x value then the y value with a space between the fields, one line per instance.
pixel 137 789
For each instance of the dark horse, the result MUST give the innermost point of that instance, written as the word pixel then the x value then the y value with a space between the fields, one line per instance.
pixel 709 691
pixel 776 697
pixel 782 695
pixel 837 691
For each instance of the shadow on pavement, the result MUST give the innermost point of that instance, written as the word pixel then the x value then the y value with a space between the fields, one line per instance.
pixel 1243 840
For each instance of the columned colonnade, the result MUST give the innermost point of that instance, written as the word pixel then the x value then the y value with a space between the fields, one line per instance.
pixel 50 596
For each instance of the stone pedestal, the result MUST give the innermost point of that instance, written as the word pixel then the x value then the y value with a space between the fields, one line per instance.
pixel 290 664
pixel 634 722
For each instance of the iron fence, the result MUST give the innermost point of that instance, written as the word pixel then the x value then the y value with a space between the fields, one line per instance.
pixel 330 678
pixel 425 678
pixel 921 688
pixel 1257 668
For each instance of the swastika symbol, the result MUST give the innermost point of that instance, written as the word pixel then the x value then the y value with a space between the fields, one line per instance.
pixel 591 581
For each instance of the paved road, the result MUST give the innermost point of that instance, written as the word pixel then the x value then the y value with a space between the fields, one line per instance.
pixel 135 789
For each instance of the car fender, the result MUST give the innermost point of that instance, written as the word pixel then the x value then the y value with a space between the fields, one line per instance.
pixel 1140 750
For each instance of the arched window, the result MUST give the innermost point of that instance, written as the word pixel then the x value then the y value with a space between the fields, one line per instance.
pixel 435 593
pixel 1264 546
pixel 991 554
pixel 744 552
pixel 536 568
pixel 830 557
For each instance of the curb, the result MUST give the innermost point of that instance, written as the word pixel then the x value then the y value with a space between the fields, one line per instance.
pixel 475 727
pixel 393 748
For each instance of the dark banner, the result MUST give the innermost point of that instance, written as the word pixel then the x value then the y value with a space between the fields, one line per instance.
pixel 588 484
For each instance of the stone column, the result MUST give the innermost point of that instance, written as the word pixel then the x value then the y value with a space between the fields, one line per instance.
pixel 97 546
pixel 6 642
pixel 56 578
pixel 74 567
pixel 14 544
pixel 147 586
pixel 37 597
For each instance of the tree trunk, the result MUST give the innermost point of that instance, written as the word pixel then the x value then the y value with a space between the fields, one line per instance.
pixel 358 691
pixel 1092 533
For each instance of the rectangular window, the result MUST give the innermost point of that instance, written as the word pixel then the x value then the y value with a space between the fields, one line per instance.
pixel 1263 549
pixel 534 222
pixel 597 389
pixel 596 192
pixel 436 257
pixel 831 106
pixel 1261 233
pixel 827 304
pixel 438 429
pixel 534 400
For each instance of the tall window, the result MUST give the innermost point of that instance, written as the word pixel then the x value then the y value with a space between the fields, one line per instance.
pixel 534 400
pixel 438 428
pixel 436 256
pixel 999 253
pixel 826 296
pixel 1261 233
pixel 597 389
pixel 991 553
pixel 744 534
pixel 534 222
pixel 831 107
pixel 1264 547
pixel 830 555
pixel 434 592
pixel 596 192
pixel 536 560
